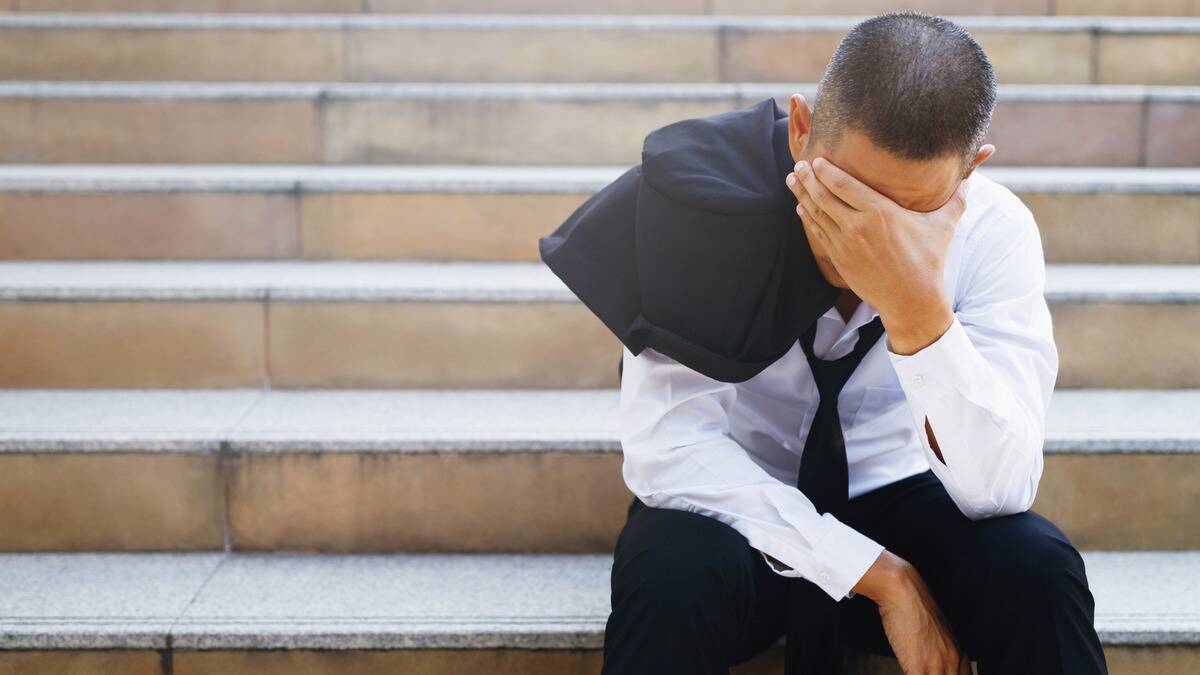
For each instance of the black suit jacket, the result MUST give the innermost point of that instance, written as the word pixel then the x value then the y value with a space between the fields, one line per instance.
pixel 698 251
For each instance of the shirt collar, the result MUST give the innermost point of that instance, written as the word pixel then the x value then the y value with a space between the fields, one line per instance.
pixel 863 314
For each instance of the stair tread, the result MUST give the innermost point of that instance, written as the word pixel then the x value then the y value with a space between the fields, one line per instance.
pixel 459 178
pixel 579 91
pixel 471 420
pixel 212 600
pixel 461 281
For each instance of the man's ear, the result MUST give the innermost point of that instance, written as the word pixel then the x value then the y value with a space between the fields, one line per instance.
pixel 986 150
pixel 799 124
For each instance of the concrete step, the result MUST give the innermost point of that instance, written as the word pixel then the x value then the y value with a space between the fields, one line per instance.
pixel 520 123
pixel 423 470
pixel 457 324
pixel 229 211
pixel 618 7
pixel 590 48
pixel 439 613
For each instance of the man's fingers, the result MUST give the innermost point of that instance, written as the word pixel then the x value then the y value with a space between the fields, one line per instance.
pixel 824 198
pixel 814 217
pixel 855 193
pixel 957 204
pixel 812 212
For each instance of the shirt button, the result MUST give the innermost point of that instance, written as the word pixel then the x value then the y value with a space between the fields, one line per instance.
pixel 918 380
pixel 823 576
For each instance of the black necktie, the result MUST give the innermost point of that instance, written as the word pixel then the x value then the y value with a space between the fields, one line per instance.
pixel 823 477
pixel 814 639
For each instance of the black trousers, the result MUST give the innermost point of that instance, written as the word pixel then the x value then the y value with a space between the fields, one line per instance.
pixel 689 594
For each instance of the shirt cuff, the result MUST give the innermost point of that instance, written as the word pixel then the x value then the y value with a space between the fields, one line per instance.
pixel 843 556
pixel 940 368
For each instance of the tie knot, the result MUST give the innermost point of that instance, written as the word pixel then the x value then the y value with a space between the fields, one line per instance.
pixel 831 375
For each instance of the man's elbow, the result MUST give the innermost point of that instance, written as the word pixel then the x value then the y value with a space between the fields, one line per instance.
pixel 1015 495
pixel 994 508
pixel 650 470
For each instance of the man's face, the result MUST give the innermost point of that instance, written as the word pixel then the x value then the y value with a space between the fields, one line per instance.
pixel 923 185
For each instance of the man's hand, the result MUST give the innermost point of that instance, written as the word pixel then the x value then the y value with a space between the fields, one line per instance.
pixel 912 621
pixel 891 257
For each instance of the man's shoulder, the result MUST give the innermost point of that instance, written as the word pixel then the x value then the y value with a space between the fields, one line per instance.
pixel 994 214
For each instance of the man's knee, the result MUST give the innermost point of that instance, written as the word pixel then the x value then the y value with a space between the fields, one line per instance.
pixel 679 561
pixel 1027 557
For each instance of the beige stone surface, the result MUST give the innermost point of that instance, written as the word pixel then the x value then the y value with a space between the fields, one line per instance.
pixel 440 345
pixel 1148 58
pixel 435 344
pixel 1158 493
pixel 80 662
pixel 110 502
pixel 399 661
pixel 1117 227
pixel 777 56
pixel 1151 659
pixel 1173 134
pixel 147 225
pixel 131 344
pixel 1067 134
pixel 1127 345
pixel 544 6
pixel 514 55
pixel 445 501
pixel 793 56
pixel 169 54
pixel 1128 7
pixel 427 501
pixel 157 130
pixel 870 7
pixel 431 226
pixel 1036 57
pixel 447 662
pixel 1122 660
pixel 1076 227
pixel 341 6
pixel 541 131
pixel 501 131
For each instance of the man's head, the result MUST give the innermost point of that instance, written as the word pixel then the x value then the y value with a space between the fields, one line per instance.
pixel 903 106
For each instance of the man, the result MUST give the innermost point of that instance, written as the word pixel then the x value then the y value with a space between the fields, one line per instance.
pixel 936 557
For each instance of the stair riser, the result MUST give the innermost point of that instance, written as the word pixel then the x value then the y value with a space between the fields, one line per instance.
pixel 402 501
pixel 1122 659
pixel 766 7
pixel 433 344
pixel 1076 227
pixel 583 54
pixel 538 131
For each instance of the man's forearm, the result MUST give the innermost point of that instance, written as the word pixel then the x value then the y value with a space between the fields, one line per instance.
pixel 918 326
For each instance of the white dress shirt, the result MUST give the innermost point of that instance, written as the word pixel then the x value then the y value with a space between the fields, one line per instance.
pixel 732 451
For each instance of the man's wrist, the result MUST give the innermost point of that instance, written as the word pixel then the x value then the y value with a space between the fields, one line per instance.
pixel 885 578
pixel 915 329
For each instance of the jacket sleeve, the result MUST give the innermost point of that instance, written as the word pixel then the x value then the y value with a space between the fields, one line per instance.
pixel 985 384
pixel 678 454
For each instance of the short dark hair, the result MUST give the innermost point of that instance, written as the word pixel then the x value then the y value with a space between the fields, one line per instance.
pixel 917 85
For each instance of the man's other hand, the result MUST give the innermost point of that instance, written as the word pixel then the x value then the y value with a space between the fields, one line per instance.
pixel 912 621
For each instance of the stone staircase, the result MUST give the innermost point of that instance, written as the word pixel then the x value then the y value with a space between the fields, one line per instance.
pixel 282 387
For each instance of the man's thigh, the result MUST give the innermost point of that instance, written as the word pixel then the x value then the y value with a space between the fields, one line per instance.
pixel 678 561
